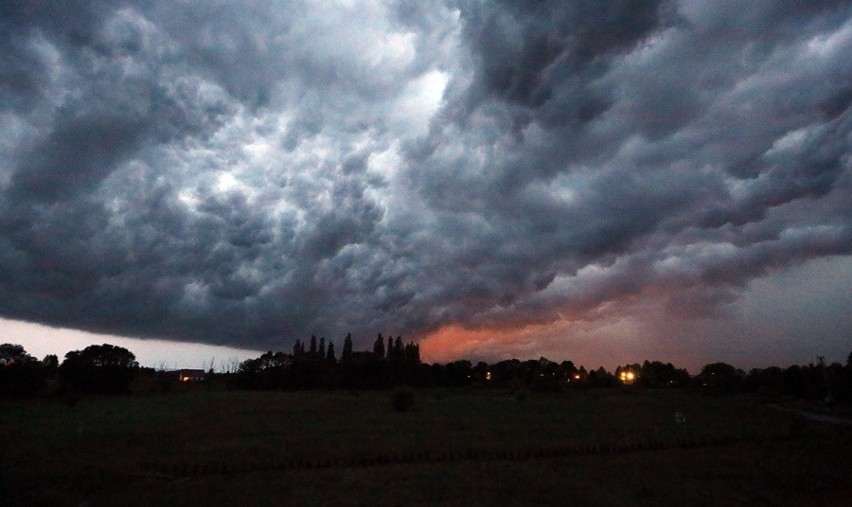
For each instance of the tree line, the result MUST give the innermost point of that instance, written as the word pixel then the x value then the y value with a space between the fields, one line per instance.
pixel 390 362
pixel 315 365
pixel 98 369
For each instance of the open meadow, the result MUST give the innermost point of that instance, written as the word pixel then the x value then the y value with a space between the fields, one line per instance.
pixel 453 447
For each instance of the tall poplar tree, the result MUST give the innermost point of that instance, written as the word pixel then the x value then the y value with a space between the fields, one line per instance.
pixel 379 347
pixel 347 347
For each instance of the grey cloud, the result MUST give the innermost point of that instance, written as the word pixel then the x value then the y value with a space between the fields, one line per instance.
pixel 674 179
pixel 251 174
pixel 75 158
pixel 526 50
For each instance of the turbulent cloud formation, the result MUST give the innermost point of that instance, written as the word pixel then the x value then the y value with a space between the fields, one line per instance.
pixel 247 173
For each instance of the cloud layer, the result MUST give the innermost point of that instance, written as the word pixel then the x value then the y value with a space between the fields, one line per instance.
pixel 250 173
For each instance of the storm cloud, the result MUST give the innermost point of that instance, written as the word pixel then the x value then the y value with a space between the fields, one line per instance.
pixel 249 173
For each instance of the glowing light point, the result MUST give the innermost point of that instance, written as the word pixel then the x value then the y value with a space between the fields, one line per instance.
pixel 627 377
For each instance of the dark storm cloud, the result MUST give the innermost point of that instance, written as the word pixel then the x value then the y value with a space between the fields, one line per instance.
pixel 253 173
pixel 648 133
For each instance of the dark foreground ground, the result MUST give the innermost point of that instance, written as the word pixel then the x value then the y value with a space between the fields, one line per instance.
pixel 464 447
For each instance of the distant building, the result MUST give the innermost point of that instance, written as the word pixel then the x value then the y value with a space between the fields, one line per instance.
pixel 192 375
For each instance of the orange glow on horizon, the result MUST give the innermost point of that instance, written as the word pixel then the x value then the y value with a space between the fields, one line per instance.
pixel 608 343
pixel 453 342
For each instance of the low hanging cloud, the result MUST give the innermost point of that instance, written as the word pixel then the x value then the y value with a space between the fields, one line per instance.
pixel 248 173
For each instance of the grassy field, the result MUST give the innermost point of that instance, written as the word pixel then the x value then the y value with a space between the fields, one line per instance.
pixel 461 447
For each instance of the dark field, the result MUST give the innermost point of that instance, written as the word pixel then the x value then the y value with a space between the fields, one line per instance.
pixel 460 447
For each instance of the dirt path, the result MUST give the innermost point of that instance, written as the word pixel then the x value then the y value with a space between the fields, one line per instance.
pixel 811 416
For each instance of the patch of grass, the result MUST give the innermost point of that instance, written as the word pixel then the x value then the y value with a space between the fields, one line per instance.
pixel 402 399
pixel 457 447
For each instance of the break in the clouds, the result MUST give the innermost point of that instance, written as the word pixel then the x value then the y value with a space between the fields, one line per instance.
pixel 249 173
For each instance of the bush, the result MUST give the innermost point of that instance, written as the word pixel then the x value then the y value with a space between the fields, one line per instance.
pixel 402 399
pixel 102 369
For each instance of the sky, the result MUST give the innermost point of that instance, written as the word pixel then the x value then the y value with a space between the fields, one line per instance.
pixel 600 181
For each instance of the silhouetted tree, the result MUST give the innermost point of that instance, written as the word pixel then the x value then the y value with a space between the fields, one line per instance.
pixel 480 371
pixel 721 377
pixel 601 378
pixel 12 354
pixel 656 374
pixel 347 348
pixel 379 347
pixel 504 372
pixel 412 354
pixel 459 373
pixel 547 377
pixel 275 360
pixel 272 370
pixel 330 355
pixel 567 369
pixel 398 349
pixel 21 375
pixel 804 381
pixel 99 369
pixel 846 382
pixel 313 350
pixel 50 361
pixel 767 380
pixel 105 355
pixel 322 347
